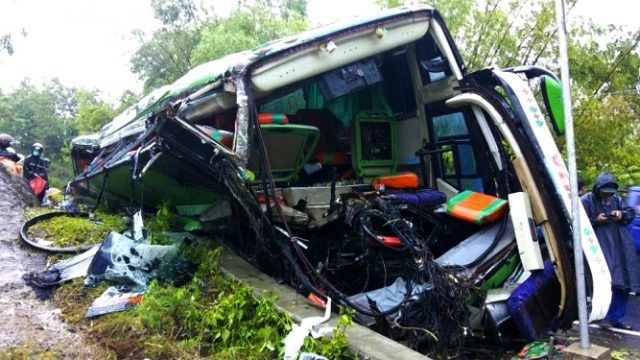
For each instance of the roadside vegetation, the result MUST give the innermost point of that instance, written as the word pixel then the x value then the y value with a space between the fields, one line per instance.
pixel 209 316
pixel 77 231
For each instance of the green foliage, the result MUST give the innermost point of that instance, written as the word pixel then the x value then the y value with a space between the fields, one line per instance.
pixel 213 315
pixel 178 14
pixel 53 114
pixel 164 57
pixel 336 346
pixel 75 231
pixel 31 115
pixel 244 29
pixel 161 222
pixel 127 99
pixel 624 354
pixel 93 113
pixel 210 317
pixel 6 43
pixel 609 139
pixel 190 36
pixel 29 352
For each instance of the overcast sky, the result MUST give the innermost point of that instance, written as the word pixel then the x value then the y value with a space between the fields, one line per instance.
pixel 88 43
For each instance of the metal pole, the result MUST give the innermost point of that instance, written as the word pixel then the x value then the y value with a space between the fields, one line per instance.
pixel 571 155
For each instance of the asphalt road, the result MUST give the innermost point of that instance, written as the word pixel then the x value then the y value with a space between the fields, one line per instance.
pixel 617 338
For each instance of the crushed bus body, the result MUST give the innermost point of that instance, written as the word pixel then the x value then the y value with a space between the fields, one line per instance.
pixel 362 161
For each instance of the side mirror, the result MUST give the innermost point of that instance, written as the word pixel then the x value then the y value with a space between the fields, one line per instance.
pixel 552 96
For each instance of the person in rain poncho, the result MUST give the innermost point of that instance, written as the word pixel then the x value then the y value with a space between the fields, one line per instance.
pixel 609 215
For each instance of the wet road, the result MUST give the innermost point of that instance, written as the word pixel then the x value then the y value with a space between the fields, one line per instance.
pixel 25 321
pixel 617 338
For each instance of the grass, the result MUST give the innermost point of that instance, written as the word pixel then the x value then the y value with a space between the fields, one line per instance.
pixel 76 231
pixel 209 317
pixel 624 354
pixel 28 352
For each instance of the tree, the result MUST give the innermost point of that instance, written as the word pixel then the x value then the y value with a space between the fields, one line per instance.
pixel 6 44
pixel 93 113
pixel 6 41
pixel 245 29
pixel 44 115
pixel 190 36
pixel 175 14
pixel 127 99
pixel 165 57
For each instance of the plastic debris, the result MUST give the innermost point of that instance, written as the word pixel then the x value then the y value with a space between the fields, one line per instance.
pixel 112 300
pixel 540 350
pixel 43 282
pixel 295 339
pixel 385 298
pixel 311 356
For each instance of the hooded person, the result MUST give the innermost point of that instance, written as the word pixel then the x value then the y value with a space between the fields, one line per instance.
pixel 609 215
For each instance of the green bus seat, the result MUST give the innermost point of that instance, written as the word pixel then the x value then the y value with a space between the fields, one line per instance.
pixel 288 148
pixel 375 144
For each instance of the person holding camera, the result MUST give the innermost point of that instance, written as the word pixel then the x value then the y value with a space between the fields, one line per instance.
pixel 609 215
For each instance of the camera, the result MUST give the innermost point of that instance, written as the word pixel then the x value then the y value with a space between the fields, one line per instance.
pixel 610 215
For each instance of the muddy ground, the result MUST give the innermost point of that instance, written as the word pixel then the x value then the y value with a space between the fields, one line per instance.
pixel 29 328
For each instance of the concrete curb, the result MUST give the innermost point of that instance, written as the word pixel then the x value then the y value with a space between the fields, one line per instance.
pixel 363 341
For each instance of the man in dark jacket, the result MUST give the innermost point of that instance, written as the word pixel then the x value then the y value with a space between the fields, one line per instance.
pixel 36 164
pixel 609 215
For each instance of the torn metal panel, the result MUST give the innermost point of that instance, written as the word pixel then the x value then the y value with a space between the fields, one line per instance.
pixel 241 138
pixel 127 261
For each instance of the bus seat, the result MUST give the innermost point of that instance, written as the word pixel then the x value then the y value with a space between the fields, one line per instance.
pixel 222 136
pixel 288 146
pixel 476 207
pixel 334 142
pixel 269 118
pixel 375 144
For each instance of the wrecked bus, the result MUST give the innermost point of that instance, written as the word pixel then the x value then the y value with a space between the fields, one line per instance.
pixel 361 161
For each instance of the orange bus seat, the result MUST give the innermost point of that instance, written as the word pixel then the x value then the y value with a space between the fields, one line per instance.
pixel 476 207
pixel 404 180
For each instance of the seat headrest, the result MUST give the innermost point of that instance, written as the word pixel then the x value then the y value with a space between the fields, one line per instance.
pixel 268 118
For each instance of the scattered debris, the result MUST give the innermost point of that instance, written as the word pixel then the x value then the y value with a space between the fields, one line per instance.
pixel 44 282
pixel 308 326
pixel 112 300
pixel 121 260
pixel 541 350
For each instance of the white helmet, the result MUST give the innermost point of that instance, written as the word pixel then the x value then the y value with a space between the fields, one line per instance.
pixel 5 140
